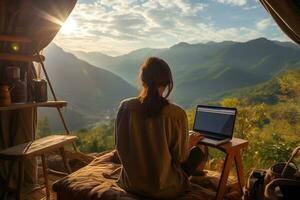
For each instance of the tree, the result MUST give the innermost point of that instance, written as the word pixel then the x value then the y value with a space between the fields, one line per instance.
pixel 290 86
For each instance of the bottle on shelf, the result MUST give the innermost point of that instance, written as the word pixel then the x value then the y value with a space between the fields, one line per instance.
pixel 5 99
pixel 18 87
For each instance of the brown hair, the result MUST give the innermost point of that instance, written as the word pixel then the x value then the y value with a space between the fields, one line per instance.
pixel 154 73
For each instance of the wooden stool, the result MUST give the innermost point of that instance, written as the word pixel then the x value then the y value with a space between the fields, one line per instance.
pixel 232 150
pixel 37 147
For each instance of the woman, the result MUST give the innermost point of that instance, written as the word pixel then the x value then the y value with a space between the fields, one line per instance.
pixel 152 139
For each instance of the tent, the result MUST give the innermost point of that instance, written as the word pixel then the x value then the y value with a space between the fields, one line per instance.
pixel 40 20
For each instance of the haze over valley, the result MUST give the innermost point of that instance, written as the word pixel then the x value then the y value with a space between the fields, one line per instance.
pixel 94 83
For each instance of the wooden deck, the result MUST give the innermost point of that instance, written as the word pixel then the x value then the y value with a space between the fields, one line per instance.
pixel 40 194
pixel 76 160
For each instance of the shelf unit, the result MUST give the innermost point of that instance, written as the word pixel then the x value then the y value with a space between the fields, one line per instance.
pixel 18 57
pixel 29 59
pixel 49 104
pixel 21 58
pixel 55 141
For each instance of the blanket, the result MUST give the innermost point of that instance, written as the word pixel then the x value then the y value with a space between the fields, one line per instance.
pixel 97 181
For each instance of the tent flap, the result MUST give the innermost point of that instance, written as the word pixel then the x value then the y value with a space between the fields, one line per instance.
pixel 287 15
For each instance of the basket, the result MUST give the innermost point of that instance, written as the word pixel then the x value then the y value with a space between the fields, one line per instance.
pixel 285 176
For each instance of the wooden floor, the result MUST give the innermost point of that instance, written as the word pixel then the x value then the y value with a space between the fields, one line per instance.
pixel 41 194
pixel 54 162
pixel 38 194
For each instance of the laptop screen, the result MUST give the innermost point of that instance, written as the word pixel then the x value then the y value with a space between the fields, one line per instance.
pixel 215 121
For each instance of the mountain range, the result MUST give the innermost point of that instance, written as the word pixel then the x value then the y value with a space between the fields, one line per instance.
pixel 93 93
pixel 94 83
pixel 205 69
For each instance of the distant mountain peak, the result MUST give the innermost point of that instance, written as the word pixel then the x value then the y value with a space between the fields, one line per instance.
pixel 181 44
pixel 260 40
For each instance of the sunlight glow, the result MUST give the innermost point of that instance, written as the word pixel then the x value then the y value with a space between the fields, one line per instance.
pixel 69 26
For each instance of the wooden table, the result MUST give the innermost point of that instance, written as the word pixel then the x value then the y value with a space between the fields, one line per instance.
pixel 232 150
pixel 39 147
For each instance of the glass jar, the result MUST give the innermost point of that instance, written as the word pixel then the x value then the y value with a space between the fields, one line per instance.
pixel 40 90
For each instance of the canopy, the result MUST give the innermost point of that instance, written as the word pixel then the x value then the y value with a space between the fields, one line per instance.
pixel 38 20
pixel 287 15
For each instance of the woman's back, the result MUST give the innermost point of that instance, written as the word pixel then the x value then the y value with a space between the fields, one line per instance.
pixel 152 149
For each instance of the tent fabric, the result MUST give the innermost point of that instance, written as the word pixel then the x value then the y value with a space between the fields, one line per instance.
pixel 35 19
pixel 39 21
pixel 287 15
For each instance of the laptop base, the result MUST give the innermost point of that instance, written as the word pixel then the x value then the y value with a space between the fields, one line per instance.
pixel 213 142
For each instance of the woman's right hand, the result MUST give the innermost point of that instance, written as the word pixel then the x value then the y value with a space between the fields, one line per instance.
pixel 194 138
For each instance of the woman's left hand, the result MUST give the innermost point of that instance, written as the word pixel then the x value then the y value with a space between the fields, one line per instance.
pixel 194 138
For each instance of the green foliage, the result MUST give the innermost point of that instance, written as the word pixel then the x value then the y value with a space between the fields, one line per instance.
pixel 290 86
pixel 97 139
pixel 272 127
pixel 275 149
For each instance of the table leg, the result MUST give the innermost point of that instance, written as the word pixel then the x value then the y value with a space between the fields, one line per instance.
pixel 7 181
pixel 20 179
pixel 224 176
pixel 44 163
pixel 65 161
pixel 239 170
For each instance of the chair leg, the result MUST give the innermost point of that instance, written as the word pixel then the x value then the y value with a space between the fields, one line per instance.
pixel 44 163
pixel 20 180
pixel 65 161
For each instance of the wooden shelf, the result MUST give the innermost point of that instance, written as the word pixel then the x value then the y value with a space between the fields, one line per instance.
pixel 13 38
pixel 20 58
pixel 16 106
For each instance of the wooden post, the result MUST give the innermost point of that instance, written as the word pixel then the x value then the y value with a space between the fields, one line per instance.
pixel 44 163
pixel 20 180
pixel 65 161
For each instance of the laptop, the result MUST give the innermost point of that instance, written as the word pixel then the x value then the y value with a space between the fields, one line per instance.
pixel 216 124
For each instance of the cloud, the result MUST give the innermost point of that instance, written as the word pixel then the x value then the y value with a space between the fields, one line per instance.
pixel 233 2
pixel 117 26
pixel 149 23
pixel 248 7
pixel 263 24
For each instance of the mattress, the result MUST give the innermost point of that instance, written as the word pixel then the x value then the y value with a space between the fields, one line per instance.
pixel 97 181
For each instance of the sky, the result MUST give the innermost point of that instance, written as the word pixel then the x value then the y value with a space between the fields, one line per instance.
pixel 116 27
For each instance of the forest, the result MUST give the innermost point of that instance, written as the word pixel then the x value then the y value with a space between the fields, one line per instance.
pixel 268 117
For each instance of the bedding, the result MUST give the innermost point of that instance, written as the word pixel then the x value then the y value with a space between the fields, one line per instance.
pixel 97 181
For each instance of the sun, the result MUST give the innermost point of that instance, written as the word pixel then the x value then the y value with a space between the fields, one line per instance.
pixel 69 26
